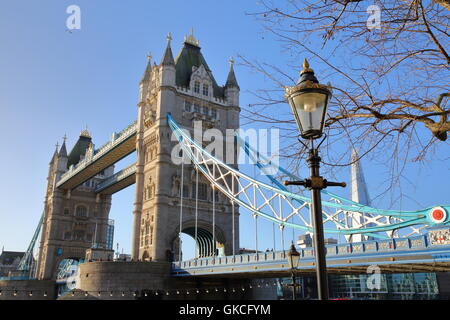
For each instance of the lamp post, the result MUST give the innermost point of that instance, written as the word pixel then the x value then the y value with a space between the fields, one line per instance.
pixel 309 101
pixel 293 259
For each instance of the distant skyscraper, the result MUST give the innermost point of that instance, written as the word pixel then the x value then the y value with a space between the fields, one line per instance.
pixel 359 194
pixel 358 184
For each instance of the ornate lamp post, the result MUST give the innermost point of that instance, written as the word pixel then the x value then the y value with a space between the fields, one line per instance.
pixel 293 259
pixel 309 101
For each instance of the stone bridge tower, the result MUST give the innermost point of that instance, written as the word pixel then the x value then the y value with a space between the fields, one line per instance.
pixel 186 88
pixel 74 220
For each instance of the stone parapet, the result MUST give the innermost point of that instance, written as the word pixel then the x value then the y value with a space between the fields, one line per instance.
pixel 27 290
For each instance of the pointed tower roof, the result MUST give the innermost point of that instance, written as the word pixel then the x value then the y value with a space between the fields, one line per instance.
pixel 358 184
pixel 55 154
pixel 148 69
pixel 168 56
pixel 231 79
pixel 63 150
pixel 190 56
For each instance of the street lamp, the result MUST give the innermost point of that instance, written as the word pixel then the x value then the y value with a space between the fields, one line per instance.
pixel 293 259
pixel 309 101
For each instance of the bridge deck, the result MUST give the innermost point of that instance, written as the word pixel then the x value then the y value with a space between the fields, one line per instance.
pixel 119 147
pixel 394 255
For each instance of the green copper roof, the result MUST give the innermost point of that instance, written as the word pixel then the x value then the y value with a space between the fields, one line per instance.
pixel 78 150
pixel 189 56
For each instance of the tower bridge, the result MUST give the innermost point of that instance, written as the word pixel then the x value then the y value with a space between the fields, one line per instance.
pixel 202 197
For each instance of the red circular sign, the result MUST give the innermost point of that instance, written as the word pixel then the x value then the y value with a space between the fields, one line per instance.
pixel 438 214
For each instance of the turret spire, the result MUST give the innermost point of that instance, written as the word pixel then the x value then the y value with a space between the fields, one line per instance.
pixel 231 79
pixel 168 56
pixel 63 150
pixel 55 154
pixel 148 69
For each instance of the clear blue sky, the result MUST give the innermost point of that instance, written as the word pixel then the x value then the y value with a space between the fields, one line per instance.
pixel 53 82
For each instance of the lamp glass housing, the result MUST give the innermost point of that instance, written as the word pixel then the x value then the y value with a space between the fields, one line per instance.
pixel 293 257
pixel 309 108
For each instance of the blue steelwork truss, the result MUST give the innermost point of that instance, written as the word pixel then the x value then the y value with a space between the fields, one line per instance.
pixel 25 264
pixel 278 205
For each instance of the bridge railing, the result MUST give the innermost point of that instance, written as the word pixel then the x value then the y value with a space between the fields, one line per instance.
pixel 116 139
pixel 397 244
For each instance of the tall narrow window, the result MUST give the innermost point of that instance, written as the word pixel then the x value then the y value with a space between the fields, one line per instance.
pixel 202 191
pixel 197 87
pixel 205 89
pixel 81 211
pixel 187 106
pixel 196 108
pixel 205 110
pixel 214 113
pixel 185 191
pixel 194 190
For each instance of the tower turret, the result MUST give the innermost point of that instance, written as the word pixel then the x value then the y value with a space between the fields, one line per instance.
pixel 54 156
pixel 168 65
pixel 62 157
pixel 145 81
pixel 231 87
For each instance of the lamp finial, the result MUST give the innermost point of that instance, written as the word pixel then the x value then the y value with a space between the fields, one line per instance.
pixel 306 67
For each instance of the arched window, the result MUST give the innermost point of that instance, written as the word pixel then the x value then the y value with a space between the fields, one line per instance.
pixel 81 211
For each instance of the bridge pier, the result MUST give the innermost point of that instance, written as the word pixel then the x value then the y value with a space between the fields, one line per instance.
pixel 140 280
